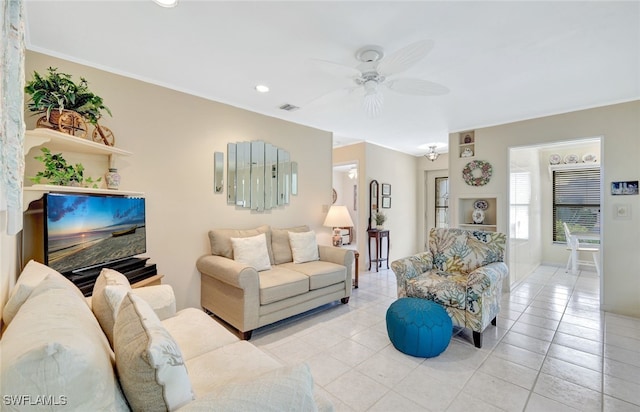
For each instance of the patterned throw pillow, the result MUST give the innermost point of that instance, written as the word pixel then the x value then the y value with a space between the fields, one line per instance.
pixel 149 362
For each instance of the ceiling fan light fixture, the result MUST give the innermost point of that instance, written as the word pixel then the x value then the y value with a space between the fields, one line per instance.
pixel 372 103
pixel 166 3
pixel 432 154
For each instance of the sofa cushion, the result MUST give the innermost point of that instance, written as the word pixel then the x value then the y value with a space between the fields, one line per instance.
pixel 285 389
pixel 280 283
pixel 196 333
pixel 304 246
pixel 55 347
pixel 320 273
pixel 280 243
pixel 31 276
pixel 252 251
pixel 232 363
pixel 103 308
pixel 220 240
pixel 149 362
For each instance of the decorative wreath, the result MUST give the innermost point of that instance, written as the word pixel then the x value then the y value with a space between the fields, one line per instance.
pixel 469 173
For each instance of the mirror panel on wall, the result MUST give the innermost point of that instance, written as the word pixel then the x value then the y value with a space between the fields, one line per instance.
pixel 231 173
pixel 218 172
pixel 260 176
pixel 271 176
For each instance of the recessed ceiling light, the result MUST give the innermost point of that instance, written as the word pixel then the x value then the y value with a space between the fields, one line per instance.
pixel 262 88
pixel 166 3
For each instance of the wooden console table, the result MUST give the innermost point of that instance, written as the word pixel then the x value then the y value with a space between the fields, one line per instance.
pixel 378 235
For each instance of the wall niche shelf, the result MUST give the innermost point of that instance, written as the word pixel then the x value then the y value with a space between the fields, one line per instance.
pixel 466 144
pixel 61 142
pixel 465 211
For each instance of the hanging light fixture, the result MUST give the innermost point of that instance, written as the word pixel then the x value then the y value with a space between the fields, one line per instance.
pixel 432 154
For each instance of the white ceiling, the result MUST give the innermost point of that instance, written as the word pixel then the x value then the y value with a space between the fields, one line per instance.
pixel 502 61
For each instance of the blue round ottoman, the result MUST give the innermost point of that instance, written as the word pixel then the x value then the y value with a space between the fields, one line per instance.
pixel 419 327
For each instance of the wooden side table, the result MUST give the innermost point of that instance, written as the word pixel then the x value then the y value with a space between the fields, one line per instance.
pixel 378 235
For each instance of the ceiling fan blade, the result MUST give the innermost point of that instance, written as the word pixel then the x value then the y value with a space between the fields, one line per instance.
pixel 417 87
pixel 404 58
pixel 372 103
pixel 336 69
pixel 329 97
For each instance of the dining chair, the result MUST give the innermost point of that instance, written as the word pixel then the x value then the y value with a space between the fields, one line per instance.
pixel 575 247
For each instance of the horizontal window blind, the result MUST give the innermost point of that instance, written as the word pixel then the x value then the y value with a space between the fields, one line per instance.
pixel 576 201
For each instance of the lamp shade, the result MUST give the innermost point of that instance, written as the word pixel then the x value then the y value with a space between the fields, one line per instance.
pixel 338 216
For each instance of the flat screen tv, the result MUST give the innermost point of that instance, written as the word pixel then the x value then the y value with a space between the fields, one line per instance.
pixel 84 231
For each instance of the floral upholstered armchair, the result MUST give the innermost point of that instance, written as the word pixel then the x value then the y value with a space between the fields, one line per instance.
pixel 463 271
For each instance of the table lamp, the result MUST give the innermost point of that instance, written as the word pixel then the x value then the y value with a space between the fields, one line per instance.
pixel 337 218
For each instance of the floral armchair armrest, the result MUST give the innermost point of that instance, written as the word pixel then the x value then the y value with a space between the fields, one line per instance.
pixel 484 290
pixel 409 268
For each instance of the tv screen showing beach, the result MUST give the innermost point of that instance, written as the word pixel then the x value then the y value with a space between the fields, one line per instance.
pixel 88 230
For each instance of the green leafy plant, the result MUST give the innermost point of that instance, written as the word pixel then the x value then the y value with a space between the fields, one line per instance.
pixel 380 218
pixel 58 172
pixel 57 91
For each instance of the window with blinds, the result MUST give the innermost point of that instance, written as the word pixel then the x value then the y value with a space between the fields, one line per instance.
pixel 519 204
pixel 576 201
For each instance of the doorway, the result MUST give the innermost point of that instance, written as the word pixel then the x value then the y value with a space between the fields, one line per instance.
pixel 533 217
pixel 345 192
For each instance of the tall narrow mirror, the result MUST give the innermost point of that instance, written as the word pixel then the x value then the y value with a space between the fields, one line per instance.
pixel 284 177
pixel 218 172
pixel 271 176
pixel 373 203
pixel 257 176
pixel 243 174
pixel 294 178
pixel 231 173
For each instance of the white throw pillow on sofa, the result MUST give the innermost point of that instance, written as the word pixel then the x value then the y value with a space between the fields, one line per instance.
pixel 103 309
pixel 304 246
pixel 149 362
pixel 252 251
pixel 31 276
pixel 54 347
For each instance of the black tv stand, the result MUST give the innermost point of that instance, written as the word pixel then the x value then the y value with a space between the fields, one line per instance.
pixel 135 269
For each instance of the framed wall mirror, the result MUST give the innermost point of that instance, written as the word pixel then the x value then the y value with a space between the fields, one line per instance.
pixel 374 197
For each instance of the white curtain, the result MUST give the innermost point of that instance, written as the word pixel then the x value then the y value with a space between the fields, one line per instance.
pixel 11 114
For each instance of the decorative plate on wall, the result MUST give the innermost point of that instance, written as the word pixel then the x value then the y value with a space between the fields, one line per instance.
pixel 589 158
pixel 481 204
pixel 477 173
pixel 555 159
pixel 571 158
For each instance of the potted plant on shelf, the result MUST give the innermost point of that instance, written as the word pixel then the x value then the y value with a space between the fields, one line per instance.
pixel 66 105
pixel 58 172
pixel 380 219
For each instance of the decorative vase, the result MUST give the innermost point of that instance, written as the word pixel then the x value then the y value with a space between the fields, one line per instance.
pixel 380 227
pixel 113 179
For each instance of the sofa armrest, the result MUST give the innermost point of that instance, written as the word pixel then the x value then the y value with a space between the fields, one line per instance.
pixel 227 270
pixel 336 255
pixel 161 299
pixel 409 268
pixel 483 277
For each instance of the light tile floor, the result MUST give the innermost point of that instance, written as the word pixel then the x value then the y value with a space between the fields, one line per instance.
pixel 552 350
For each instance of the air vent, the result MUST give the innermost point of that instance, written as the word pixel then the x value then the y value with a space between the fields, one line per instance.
pixel 289 107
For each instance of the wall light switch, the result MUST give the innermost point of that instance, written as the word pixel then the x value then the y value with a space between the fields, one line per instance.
pixel 622 211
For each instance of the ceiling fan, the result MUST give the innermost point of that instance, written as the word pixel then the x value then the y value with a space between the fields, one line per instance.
pixel 375 73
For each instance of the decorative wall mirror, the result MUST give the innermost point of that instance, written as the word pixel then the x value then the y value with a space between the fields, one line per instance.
pixel 260 176
pixel 218 172
pixel 373 202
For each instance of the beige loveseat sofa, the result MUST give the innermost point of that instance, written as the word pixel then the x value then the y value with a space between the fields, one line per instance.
pixel 287 283
pixel 130 350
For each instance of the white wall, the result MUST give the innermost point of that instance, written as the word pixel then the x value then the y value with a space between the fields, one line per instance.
pixel 620 127
pixel 173 137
